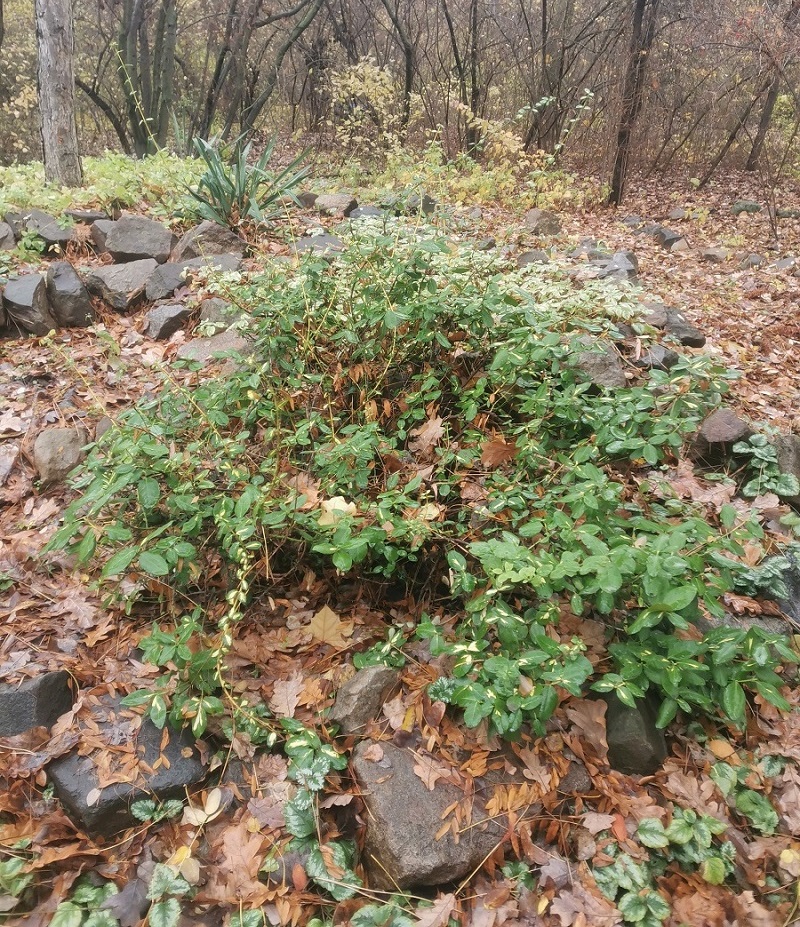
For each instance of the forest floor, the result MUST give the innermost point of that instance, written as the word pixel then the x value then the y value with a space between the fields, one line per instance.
pixel 53 618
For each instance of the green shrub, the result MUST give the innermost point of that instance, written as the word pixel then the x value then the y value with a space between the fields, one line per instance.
pixel 417 407
pixel 235 192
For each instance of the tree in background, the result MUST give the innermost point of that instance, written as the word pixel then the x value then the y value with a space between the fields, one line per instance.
pixel 56 85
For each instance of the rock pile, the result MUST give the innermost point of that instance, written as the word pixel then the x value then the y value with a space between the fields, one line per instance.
pixel 149 264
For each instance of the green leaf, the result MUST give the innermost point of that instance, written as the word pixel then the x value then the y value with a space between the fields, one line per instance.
pixel 149 493
pixel 158 711
pixel 153 563
pixel 164 913
pixel 676 599
pixel 300 822
pixel 632 907
pixel 120 562
pixel 713 870
pixel 734 702
pixel 667 712
pixel 85 550
pixel 67 914
pixel 101 919
pixel 652 834
pixel 164 881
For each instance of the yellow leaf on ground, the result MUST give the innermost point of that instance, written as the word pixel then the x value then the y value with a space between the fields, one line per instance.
pixel 327 627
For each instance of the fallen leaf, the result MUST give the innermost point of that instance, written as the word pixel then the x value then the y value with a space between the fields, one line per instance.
pixel 430 771
pixel 373 753
pixel 286 695
pixel 327 627
pixel 570 905
pixel 497 451
pixel 333 510
pixel 721 749
pixel 426 437
pixel 595 823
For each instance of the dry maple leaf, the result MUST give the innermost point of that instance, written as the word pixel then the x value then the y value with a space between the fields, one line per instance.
pixel 286 696
pixel 327 627
pixel 426 437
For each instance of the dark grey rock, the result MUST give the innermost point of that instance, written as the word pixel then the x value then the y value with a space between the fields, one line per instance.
pixel 749 206
pixel 542 222
pixel 788 451
pixel 219 311
pixel 361 698
pixel 420 203
pixel 635 745
pixel 335 204
pixel 787 263
pixel 163 321
pixel 625 262
pixel 667 238
pixel 787 212
pixel 533 257
pixel 590 249
pixel 717 435
pixel 136 238
pixel 15 220
pixel 306 199
pixel 367 212
pixel 167 278
pixel 322 244
pixel 121 286
pixel 87 216
pixel 403 817
pixel 204 350
pixel 26 304
pixel 623 265
pixel 206 239
pixel 103 427
pixel 791 577
pixel 657 357
pixel 577 780
pixel 602 364
pixel 677 214
pixel 674 323
pixel 99 233
pixel 68 297
pixel 8 240
pixel 75 780
pixel 714 255
pixel 43 224
pixel 37 702
pixel 57 451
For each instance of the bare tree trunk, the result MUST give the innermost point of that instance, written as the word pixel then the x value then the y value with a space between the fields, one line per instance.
pixel 56 82
pixel 763 124
pixel 732 136
pixel 641 43
pixel 408 59
pixel 253 109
